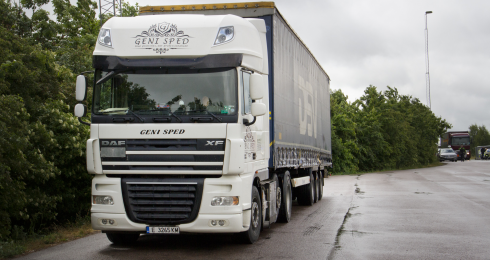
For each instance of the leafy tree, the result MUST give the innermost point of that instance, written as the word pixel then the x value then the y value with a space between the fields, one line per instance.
pixel 23 167
pixel 42 165
pixel 382 131
pixel 344 143
pixel 130 10
pixel 479 136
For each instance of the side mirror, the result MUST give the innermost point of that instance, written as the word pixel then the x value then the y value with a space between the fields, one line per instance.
pixel 81 90
pixel 258 109
pixel 256 86
pixel 80 110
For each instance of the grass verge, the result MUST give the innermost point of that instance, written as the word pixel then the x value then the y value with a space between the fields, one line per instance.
pixel 54 236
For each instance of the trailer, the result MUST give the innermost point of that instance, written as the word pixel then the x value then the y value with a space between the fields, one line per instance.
pixel 206 118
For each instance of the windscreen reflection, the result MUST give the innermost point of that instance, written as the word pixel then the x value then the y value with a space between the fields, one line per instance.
pixel 160 92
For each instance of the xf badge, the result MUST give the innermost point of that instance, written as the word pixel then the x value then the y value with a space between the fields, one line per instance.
pixel 213 143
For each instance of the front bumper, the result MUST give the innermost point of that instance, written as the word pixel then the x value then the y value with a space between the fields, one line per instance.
pixel 237 218
pixel 453 158
pixel 234 223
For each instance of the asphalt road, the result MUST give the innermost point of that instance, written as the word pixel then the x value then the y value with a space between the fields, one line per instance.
pixel 432 213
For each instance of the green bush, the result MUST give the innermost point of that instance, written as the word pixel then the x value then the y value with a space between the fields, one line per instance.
pixel 43 179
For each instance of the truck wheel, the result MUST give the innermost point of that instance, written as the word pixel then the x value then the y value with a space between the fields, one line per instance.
pixel 122 238
pixel 252 235
pixel 320 185
pixel 315 186
pixel 287 199
pixel 306 193
pixel 278 197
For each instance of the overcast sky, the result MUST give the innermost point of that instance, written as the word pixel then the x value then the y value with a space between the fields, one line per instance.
pixel 382 43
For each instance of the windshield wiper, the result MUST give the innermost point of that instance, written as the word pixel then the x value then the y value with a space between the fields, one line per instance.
pixel 172 114
pixel 136 115
pixel 213 115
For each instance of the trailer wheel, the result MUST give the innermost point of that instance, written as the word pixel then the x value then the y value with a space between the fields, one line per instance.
pixel 252 234
pixel 320 185
pixel 122 238
pixel 287 199
pixel 315 177
pixel 306 193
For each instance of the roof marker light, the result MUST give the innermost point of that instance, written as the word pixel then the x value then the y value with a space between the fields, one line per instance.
pixel 225 34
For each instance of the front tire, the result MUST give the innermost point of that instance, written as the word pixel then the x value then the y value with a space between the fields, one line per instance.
pixel 287 199
pixel 122 238
pixel 253 233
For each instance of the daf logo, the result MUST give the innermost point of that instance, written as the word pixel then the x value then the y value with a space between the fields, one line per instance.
pixel 214 143
pixel 113 143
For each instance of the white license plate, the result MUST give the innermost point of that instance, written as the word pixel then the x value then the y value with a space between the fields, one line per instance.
pixel 162 230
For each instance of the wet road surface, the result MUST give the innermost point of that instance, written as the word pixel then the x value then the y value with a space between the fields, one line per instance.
pixel 432 213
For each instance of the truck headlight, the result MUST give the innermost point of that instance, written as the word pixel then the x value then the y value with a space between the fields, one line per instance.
pixel 225 201
pixel 105 37
pixel 103 200
pixel 225 34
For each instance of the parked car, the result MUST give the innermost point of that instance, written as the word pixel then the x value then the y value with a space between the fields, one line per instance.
pixel 486 154
pixel 447 154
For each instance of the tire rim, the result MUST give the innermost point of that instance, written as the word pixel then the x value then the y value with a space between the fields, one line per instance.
pixel 255 214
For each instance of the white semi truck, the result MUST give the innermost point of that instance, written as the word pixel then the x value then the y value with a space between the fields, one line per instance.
pixel 205 118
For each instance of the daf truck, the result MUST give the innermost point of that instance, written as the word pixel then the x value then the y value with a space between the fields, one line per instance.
pixel 205 118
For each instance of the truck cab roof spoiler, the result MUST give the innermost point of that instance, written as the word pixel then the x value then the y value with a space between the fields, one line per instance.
pixel 205 62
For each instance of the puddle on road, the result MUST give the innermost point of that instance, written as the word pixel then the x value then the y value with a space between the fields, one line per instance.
pixel 359 191
pixel 341 230
pixel 356 233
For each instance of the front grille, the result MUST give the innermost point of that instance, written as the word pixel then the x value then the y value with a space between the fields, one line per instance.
pixel 162 201
pixel 162 156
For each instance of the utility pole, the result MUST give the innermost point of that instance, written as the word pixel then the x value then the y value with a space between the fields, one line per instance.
pixel 427 75
pixel 113 7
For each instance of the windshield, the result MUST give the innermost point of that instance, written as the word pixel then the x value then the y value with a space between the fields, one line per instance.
pixel 164 91
pixel 447 151
pixel 461 141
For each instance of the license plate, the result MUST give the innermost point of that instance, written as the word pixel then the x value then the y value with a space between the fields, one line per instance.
pixel 162 230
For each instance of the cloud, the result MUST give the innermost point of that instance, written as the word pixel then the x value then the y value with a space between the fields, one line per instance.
pixel 382 42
